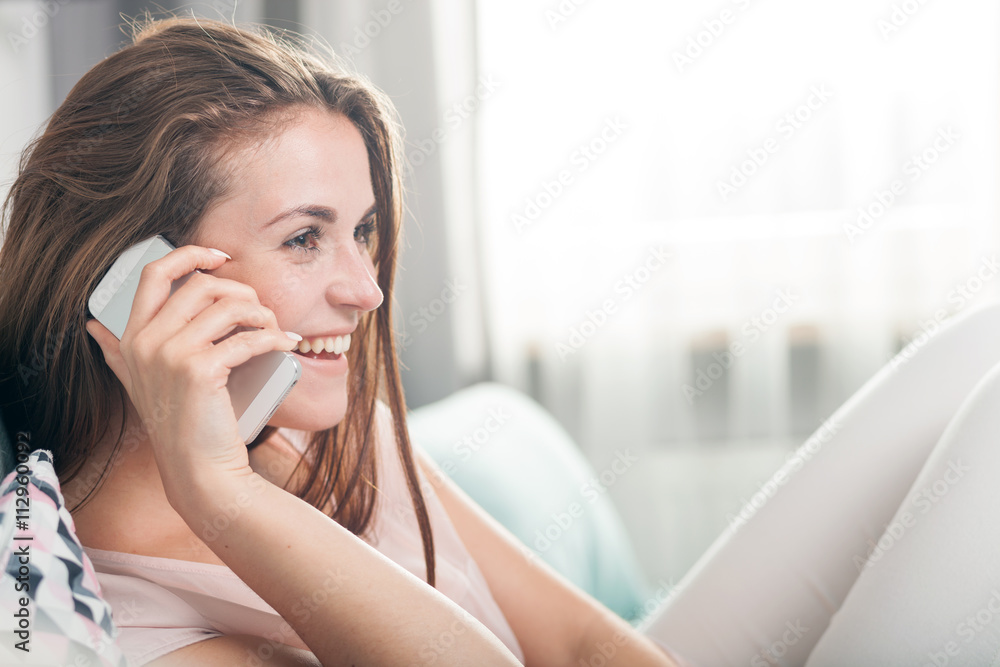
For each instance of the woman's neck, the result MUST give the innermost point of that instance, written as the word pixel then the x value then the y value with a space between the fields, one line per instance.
pixel 129 510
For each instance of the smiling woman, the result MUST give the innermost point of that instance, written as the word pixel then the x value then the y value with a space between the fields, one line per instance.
pixel 185 133
pixel 277 176
pixel 203 132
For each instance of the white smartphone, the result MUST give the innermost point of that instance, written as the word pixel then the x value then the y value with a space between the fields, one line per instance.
pixel 256 387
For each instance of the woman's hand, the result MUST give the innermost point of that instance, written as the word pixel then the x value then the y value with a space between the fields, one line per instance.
pixel 176 376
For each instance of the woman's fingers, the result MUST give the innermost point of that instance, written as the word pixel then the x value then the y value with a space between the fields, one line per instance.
pixel 157 278
pixel 200 292
pixel 241 347
pixel 221 318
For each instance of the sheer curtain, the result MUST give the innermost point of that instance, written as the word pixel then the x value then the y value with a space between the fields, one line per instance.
pixel 821 177
pixel 760 167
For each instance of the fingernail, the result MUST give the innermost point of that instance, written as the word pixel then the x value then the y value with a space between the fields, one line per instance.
pixel 219 252
pixel 293 336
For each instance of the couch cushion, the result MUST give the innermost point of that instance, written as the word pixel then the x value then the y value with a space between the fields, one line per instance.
pixel 521 466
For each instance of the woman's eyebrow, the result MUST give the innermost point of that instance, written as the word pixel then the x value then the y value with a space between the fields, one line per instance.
pixel 324 213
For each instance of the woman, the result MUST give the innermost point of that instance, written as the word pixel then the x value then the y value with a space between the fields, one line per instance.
pixel 276 175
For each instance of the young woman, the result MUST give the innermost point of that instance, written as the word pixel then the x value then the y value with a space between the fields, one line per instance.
pixel 277 176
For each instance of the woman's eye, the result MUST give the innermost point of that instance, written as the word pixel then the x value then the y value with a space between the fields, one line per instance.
pixel 309 238
pixel 297 242
pixel 363 232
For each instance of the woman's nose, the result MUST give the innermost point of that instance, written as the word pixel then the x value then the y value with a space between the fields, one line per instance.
pixel 354 284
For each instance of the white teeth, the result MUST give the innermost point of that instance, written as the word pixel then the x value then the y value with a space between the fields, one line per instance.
pixel 335 344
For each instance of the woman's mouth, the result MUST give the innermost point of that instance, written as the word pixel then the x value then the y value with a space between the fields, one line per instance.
pixel 325 348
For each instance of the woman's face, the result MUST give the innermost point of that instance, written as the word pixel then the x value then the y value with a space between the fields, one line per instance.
pixel 295 223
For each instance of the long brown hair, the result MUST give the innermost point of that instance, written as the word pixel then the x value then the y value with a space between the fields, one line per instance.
pixel 137 149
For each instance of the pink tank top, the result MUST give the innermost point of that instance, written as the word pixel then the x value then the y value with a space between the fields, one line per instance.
pixel 162 604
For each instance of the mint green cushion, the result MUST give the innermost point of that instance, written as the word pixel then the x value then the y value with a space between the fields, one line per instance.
pixel 512 457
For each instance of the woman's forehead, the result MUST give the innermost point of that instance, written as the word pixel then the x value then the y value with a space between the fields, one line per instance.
pixel 317 161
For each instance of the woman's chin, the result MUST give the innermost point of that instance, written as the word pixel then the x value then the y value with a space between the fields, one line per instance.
pixel 309 415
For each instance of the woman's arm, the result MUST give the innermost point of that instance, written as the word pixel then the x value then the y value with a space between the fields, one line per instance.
pixel 555 622
pixel 377 613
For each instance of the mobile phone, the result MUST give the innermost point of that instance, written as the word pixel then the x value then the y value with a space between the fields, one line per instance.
pixel 256 387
